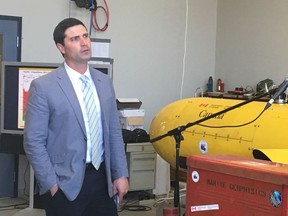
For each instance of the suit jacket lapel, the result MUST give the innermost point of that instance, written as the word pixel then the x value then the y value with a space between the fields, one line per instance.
pixel 67 87
pixel 99 88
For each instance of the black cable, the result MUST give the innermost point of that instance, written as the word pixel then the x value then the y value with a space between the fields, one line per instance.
pixel 123 205
pixel 137 208
pixel 14 206
pixel 25 183
pixel 131 204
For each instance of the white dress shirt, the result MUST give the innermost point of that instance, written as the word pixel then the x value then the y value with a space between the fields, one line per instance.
pixel 77 83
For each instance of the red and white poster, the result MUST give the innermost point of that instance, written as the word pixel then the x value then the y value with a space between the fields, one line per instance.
pixel 26 75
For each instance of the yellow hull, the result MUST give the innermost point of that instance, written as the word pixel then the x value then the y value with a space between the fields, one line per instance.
pixel 266 137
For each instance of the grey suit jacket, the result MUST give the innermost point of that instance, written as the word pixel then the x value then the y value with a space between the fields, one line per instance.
pixel 55 135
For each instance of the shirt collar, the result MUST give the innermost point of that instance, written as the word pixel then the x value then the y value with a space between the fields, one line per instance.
pixel 76 75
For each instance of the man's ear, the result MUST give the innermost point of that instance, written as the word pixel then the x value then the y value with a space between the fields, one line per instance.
pixel 61 48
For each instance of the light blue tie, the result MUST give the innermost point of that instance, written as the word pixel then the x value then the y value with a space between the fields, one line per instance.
pixel 93 122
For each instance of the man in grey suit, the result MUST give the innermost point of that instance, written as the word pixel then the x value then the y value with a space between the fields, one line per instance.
pixel 57 134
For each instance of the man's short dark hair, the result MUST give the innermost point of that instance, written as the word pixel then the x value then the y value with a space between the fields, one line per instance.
pixel 59 31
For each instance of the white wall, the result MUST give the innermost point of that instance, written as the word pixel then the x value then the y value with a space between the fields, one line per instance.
pixel 201 43
pixel 252 42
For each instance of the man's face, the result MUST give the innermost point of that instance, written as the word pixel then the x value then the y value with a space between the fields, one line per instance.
pixel 77 45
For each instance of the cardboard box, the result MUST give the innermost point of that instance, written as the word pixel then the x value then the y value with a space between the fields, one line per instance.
pixel 131 123
pixel 131 119
pixel 128 103
pixel 231 185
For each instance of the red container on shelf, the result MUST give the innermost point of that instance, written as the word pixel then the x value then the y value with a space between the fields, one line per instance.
pixel 226 185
